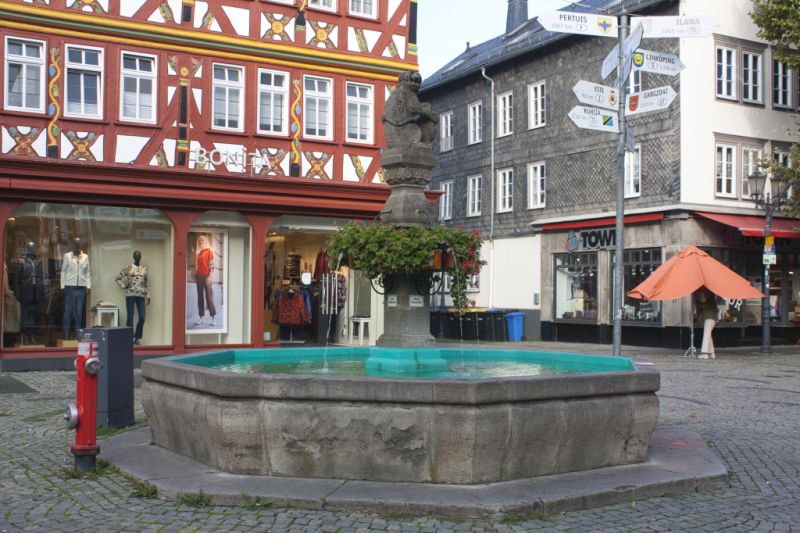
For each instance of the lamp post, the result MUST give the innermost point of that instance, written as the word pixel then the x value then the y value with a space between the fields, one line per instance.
pixel 770 200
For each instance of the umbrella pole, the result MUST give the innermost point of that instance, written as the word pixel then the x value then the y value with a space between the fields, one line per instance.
pixel 691 351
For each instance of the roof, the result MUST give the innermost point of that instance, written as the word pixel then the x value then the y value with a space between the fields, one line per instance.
pixel 530 36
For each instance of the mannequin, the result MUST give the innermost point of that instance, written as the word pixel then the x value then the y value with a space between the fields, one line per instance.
pixel 203 270
pixel 76 281
pixel 135 280
pixel 29 289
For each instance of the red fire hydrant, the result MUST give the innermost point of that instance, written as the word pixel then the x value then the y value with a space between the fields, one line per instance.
pixel 81 415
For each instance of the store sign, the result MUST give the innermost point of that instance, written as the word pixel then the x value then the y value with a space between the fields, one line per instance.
pixel 596 239
pixel 240 158
pixel 770 259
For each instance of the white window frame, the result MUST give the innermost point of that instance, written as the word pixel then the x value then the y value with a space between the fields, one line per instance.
pixel 446 200
pixel 81 67
pixel 635 82
pixel 505 190
pixel 272 91
pixel 751 157
pixel 446 132
pixel 364 105
pixel 752 77
pixel 721 177
pixel 474 193
pixel 138 75
pixel 505 114
pixel 782 158
pixel 321 97
pixel 361 12
pixel 537 185
pixel 633 172
pixel 725 72
pixel 228 86
pixel 475 119
pixel 537 105
pixel 323 5
pixel 781 70
pixel 26 62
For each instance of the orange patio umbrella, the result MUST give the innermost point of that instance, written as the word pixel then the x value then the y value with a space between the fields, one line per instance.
pixel 687 271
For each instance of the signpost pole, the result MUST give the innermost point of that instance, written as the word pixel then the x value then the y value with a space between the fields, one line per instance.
pixel 766 341
pixel 619 269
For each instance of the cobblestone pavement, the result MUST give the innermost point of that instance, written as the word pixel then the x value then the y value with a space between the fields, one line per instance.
pixel 746 407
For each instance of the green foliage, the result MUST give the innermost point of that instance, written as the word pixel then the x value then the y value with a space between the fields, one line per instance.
pixel 198 499
pixel 792 175
pixel 779 23
pixel 101 468
pixel 378 249
pixel 143 489
pixel 249 502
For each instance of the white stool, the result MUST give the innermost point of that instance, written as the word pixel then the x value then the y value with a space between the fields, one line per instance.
pixel 107 317
pixel 359 324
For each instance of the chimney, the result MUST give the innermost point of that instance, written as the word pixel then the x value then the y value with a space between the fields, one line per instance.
pixel 517 15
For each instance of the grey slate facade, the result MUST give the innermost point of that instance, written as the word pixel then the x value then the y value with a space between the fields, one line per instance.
pixel 581 165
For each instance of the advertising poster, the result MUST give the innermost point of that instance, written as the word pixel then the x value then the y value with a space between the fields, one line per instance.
pixel 206 281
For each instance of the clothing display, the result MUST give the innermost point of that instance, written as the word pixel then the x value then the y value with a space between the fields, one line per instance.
pixel 134 279
pixel 321 265
pixel 291 307
pixel 29 290
pixel 74 304
pixel 204 267
pixel 205 262
pixel 139 303
pixel 11 307
pixel 291 266
pixel 75 271
pixel 269 272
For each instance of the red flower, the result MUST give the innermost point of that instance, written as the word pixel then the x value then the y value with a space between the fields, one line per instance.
pixel 466 265
pixel 476 233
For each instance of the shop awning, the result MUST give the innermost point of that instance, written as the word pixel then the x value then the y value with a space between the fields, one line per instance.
pixel 750 226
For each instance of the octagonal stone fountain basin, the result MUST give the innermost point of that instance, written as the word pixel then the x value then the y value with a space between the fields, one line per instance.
pixel 457 417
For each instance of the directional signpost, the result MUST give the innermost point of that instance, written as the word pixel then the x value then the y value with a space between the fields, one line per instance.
pixel 595 94
pixel 657 62
pixel 591 118
pixel 683 26
pixel 624 57
pixel 651 100
pixel 580 23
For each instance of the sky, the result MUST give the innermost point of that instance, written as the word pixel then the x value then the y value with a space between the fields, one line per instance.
pixel 445 26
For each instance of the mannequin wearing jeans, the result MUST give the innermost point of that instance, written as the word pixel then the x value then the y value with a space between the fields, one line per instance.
pixel 29 290
pixel 76 281
pixel 203 269
pixel 136 282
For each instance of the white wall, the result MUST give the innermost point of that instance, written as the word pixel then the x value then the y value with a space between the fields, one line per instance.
pixel 515 272
pixel 703 115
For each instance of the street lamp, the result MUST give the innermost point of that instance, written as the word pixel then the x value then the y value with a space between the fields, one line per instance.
pixel 770 200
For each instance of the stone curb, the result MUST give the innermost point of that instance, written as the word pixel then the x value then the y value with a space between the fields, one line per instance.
pixel 678 462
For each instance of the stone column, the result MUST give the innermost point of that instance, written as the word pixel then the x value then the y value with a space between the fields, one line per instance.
pixel 407 315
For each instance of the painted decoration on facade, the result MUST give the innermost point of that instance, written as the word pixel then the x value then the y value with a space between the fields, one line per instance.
pixel 362 40
pixel 89 6
pixel 322 35
pixel 318 165
pixel 82 146
pixel 355 167
pixel 277 27
pixel 273 162
pixel 295 111
pixel 23 141
pixel 54 107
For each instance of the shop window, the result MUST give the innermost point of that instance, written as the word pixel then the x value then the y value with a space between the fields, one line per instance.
pixel 84 82
pixel 639 264
pixel 51 292
pixel 138 87
pixel 273 98
pixel 576 286
pixel 318 96
pixel 228 88
pixel 24 75
pixel 218 279
pixel 359 112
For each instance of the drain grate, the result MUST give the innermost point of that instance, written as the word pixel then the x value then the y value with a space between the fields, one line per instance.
pixel 9 385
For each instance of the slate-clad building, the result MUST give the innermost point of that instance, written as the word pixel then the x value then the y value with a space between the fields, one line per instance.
pixel 542 191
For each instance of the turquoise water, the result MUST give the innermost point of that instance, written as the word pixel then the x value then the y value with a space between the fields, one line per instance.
pixel 421 363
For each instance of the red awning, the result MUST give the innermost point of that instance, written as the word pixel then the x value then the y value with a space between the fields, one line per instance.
pixel 602 222
pixel 751 226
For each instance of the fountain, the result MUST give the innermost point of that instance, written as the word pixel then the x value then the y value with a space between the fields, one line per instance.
pixel 382 425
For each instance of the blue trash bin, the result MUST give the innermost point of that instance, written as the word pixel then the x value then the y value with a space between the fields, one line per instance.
pixel 515 323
